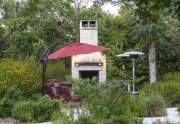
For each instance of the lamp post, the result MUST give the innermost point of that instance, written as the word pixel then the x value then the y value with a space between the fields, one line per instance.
pixel 125 56
pixel 133 63
pixel 44 61
pixel 133 55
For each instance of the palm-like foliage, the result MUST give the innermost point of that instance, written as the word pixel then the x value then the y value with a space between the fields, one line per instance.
pixel 149 28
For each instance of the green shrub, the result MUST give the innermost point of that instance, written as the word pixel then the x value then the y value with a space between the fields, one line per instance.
pixel 6 105
pixel 24 111
pixel 61 118
pixel 136 105
pixel 12 95
pixel 2 92
pixel 56 70
pixel 108 103
pixel 86 120
pixel 23 75
pixel 114 72
pixel 168 87
pixel 172 76
pixel 43 108
pixel 169 90
pixel 35 111
pixel 13 92
pixel 121 84
pixel 122 120
pixel 155 106
pixel 112 120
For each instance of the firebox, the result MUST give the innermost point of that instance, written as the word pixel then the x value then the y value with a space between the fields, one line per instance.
pixel 89 65
pixel 89 74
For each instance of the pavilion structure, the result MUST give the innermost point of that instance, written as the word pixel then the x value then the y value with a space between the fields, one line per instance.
pixel 93 64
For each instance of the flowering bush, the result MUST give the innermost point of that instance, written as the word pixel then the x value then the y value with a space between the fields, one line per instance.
pixel 24 75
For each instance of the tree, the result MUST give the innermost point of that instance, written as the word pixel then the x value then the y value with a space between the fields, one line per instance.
pixel 30 26
pixel 32 22
pixel 148 24
pixel 3 40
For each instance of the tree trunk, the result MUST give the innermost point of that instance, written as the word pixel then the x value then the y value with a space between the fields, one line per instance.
pixel 152 62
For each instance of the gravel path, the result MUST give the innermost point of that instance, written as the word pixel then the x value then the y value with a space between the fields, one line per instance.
pixel 9 121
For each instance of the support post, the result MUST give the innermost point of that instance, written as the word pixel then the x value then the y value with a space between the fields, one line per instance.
pixel 129 86
pixel 43 74
pixel 133 64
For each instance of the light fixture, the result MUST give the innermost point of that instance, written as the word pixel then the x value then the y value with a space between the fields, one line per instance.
pixel 133 55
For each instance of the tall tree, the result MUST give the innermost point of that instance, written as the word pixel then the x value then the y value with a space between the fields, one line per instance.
pixel 35 23
pixel 148 23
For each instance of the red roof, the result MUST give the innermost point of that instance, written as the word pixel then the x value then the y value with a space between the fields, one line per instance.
pixel 76 48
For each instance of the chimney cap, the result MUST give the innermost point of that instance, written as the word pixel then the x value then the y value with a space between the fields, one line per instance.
pixel 88 24
pixel 89 20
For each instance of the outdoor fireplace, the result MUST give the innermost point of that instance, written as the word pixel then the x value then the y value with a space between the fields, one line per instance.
pixel 89 74
pixel 89 65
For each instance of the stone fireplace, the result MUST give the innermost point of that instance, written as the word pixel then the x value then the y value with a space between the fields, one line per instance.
pixel 89 65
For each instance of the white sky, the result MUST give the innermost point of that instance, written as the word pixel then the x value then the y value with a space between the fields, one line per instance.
pixel 111 9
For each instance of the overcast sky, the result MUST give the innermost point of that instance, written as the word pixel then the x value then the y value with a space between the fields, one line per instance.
pixel 111 9
pixel 107 7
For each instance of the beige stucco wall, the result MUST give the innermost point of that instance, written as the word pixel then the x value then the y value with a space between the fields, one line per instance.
pixel 94 57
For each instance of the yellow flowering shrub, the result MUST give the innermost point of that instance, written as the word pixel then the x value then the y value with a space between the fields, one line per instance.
pixel 24 74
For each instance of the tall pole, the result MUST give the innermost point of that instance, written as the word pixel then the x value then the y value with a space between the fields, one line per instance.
pixel 133 55
pixel 133 63
pixel 129 86
pixel 43 74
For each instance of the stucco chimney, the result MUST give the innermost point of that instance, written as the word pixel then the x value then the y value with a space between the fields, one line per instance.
pixel 89 65
pixel 89 32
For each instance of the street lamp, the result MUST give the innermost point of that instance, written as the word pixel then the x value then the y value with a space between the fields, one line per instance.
pixel 124 56
pixel 133 55
pixel 44 60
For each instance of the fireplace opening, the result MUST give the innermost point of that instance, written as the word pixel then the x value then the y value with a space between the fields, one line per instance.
pixel 89 74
